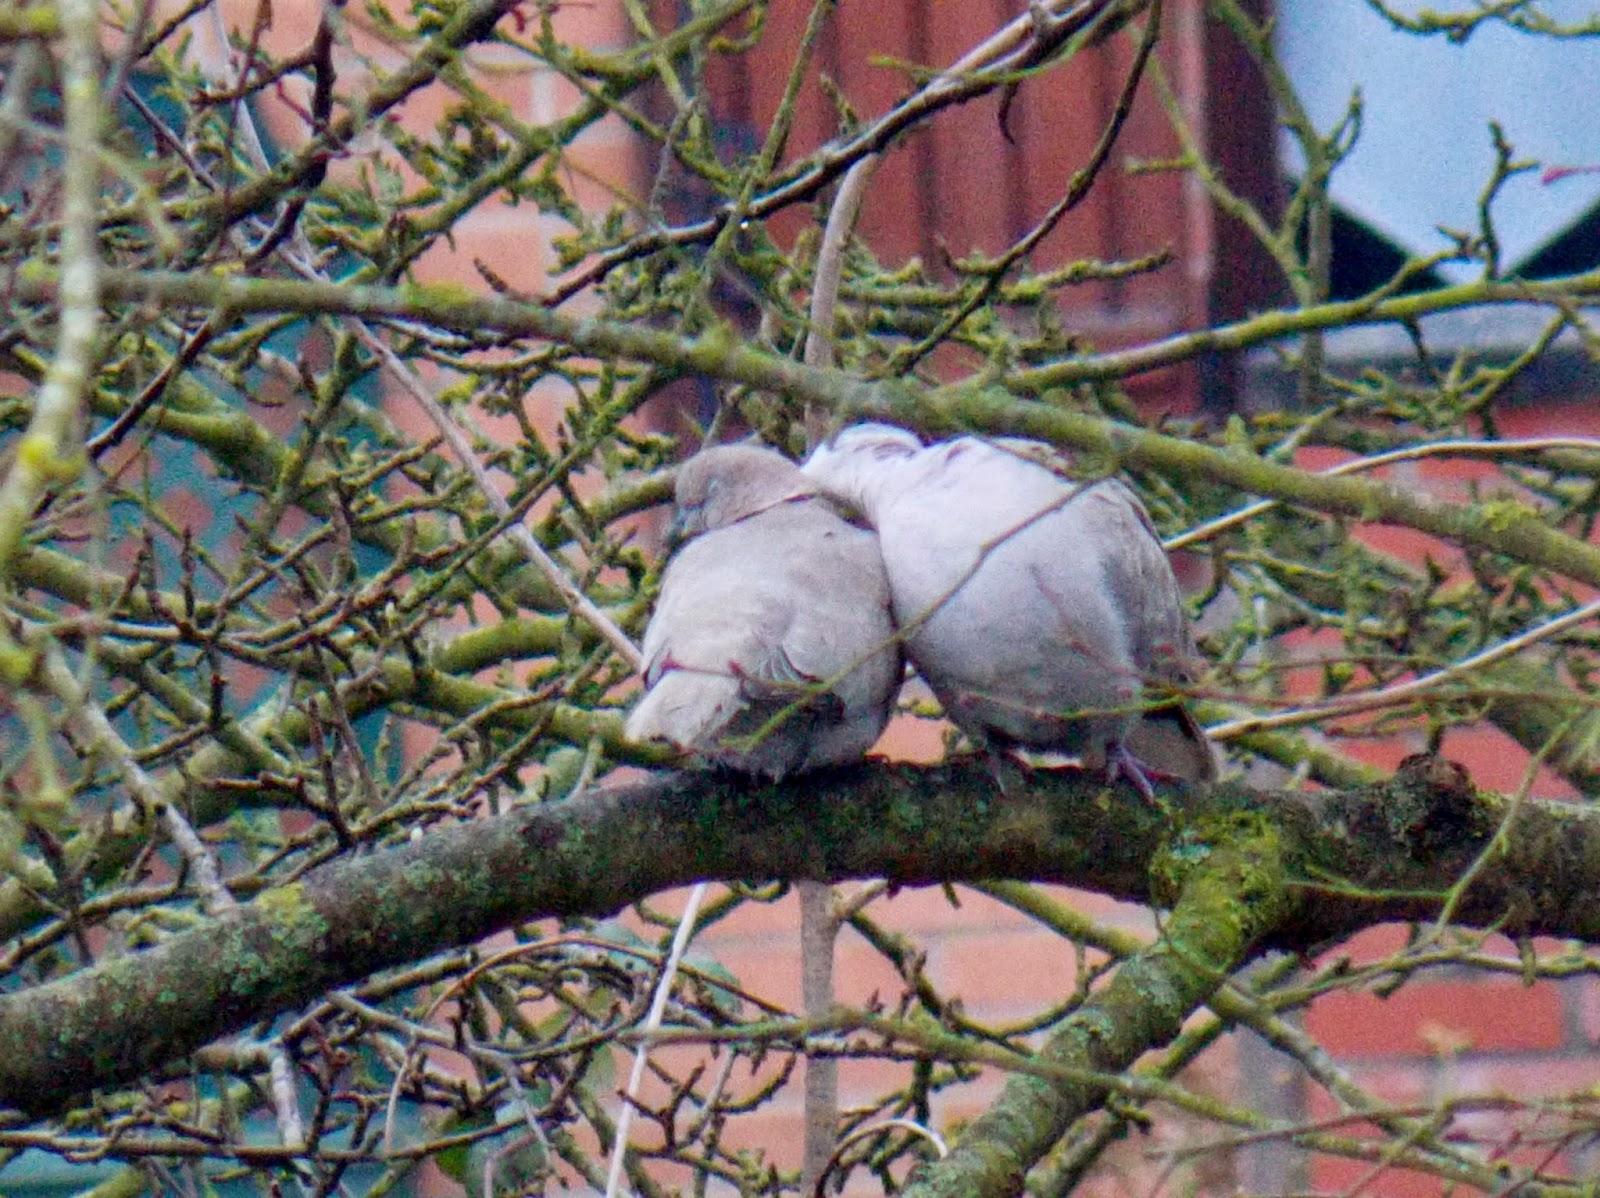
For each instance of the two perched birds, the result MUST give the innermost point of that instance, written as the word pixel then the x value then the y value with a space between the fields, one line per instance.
pixel 1041 611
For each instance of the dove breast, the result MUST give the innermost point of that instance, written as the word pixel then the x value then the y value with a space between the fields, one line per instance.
pixel 1035 606
pixel 772 650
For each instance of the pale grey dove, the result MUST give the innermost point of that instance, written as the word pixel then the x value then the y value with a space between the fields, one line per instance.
pixel 771 650
pixel 1036 607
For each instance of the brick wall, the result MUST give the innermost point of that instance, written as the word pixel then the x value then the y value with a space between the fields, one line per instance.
pixel 963 187
pixel 958 187
pixel 1451 1033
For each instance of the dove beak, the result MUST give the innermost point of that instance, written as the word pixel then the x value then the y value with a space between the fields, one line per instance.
pixel 677 531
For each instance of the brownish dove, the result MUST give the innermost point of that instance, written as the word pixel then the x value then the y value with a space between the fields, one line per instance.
pixel 1040 610
pixel 771 649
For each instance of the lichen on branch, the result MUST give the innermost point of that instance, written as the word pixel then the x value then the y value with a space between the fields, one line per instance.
pixel 1242 869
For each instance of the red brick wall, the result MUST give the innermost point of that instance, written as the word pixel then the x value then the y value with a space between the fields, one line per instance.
pixel 958 187
pixel 961 187
pixel 1451 1032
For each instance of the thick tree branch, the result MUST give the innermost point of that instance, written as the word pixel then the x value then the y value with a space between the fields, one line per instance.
pixel 1351 858
pixel 1515 529
pixel 1226 899
pixel 205 786
pixel 51 452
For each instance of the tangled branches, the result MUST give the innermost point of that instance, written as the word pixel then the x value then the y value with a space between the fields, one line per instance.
pixel 317 564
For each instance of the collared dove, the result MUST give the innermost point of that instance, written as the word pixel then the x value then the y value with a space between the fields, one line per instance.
pixel 1034 606
pixel 771 650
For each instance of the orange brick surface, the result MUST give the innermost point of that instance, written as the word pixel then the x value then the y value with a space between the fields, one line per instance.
pixel 1341 1175
pixel 1432 1036
pixel 1427 1017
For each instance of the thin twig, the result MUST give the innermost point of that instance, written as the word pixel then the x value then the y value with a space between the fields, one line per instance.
pixel 1401 692
pixel 280 1073
pixel 1411 453
pixel 91 720
pixel 521 537
pixel 830 265
pixel 874 1129
pixel 652 1023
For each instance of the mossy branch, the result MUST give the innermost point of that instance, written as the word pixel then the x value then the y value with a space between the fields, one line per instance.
pixel 450 307
pixel 1230 892
pixel 1516 530
pixel 206 785
pixel 1390 851
pixel 29 21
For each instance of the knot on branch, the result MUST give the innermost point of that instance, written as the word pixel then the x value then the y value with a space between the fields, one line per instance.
pixel 1430 804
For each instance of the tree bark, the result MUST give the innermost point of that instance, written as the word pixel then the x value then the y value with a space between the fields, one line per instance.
pixel 1390 851
pixel 1228 898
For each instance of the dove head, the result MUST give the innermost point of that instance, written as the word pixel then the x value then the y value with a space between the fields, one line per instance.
pixel 854 463
pixel 725 484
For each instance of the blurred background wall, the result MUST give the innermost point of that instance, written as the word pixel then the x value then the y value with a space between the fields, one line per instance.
pixel 960 187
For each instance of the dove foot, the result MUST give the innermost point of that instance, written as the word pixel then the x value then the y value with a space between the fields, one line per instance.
pixel 996 759
pixel 1121 763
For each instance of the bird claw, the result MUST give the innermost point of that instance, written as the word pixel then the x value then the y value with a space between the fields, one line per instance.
pixel 996 760
pixel 1121 763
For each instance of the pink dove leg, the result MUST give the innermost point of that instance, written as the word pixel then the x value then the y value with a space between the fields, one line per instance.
pixel 1121 763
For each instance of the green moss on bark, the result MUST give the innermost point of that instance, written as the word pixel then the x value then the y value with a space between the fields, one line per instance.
pixel 1230 881
pixel 1223 857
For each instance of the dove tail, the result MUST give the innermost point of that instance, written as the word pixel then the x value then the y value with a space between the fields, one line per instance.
pixel 1169 740
pixel 689 709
